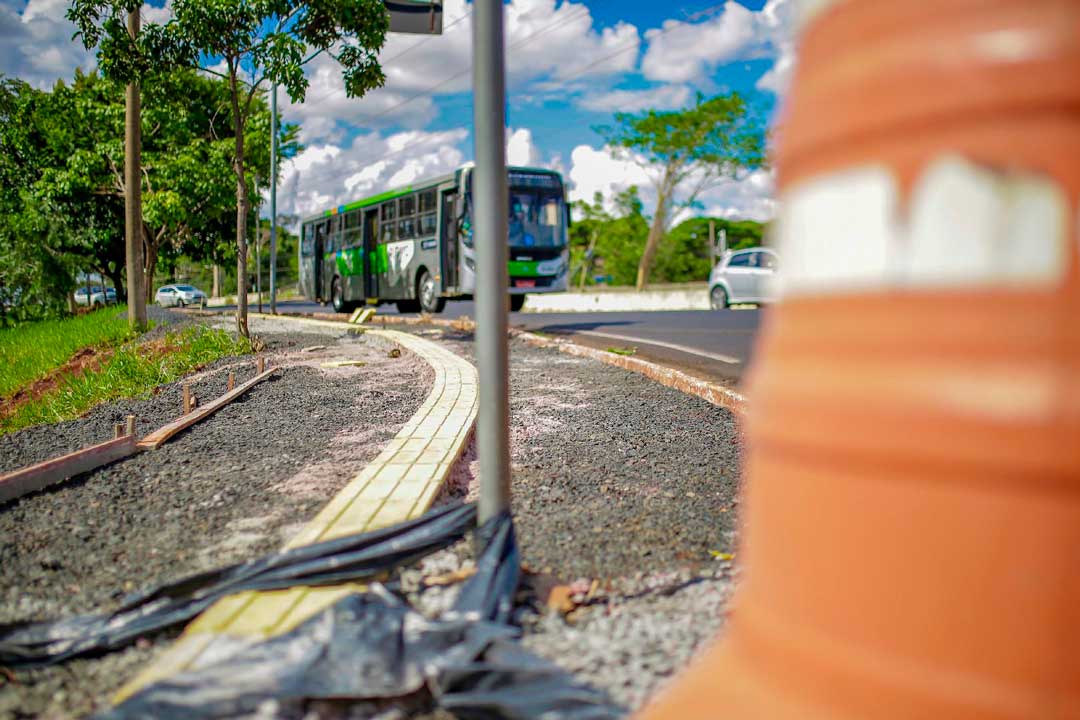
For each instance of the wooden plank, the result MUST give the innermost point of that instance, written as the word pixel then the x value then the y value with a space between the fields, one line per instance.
pixel 163 433
pixel 35 477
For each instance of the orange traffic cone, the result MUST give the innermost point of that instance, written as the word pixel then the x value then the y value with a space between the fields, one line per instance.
pixel 913 475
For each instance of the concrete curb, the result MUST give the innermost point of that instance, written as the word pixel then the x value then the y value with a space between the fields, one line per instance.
pixel 399 484
pixel 677 379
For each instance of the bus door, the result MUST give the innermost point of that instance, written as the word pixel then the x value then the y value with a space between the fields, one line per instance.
pixel 371 277
pixel 320 251
pixel 448 247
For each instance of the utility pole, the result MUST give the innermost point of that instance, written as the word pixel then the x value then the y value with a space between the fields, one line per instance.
pixel 492 253
pixel 712 244
pixel 258 246
pixel 273 201
pixel 133 195
pixel 587 263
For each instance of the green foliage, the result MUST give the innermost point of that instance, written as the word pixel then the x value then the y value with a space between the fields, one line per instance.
pixel 30 351
pixel 684 255
pixel 619 239
pixel 258 41
pixel 716 137
pixel 685 153
pixel 62 185
pixel 133 371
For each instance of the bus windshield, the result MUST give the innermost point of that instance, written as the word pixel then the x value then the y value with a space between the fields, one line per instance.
pixel 537 218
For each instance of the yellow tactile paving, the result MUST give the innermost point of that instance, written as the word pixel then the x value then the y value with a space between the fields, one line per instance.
pixel 398 485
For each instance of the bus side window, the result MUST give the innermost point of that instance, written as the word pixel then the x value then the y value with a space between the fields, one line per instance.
pixel 427 225
pixel 427 201
pixel 407 228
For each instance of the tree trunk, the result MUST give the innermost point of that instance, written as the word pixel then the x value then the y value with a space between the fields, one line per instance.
pixel 241 214
pixel 216 289
pixel 116 274
pixel 656 234
pixel 133 192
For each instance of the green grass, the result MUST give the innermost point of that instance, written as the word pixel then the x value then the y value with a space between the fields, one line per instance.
pixel 133 371
pixel 29 351
pixel 622 350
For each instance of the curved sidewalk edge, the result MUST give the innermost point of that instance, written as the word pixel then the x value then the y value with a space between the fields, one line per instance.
pixel 400 484
pixel 711 392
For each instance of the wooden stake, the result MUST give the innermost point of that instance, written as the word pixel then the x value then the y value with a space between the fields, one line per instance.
pixel 28 479
pixel 130 424
pixel 232 381
pixel 118 430
pixel 155 438
pixel 260 365
pixel 187 398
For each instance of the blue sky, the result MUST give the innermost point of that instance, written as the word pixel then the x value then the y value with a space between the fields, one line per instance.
pixel 570 66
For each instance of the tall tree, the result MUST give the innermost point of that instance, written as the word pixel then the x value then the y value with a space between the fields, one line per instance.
pixel 248 43
pixel 686 152
pixel 62 185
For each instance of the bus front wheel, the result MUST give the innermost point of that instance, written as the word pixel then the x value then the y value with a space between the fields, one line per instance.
pixel 428 295
pixel 337 297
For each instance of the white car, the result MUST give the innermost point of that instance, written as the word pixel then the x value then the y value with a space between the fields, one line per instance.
pixel 97 296
pixel 743 276
pixel 179 296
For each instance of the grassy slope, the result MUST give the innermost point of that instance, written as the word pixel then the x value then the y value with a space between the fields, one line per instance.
pixel 29 351
pixel 133 371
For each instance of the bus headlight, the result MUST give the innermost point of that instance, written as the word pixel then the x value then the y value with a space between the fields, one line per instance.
pixel 550 267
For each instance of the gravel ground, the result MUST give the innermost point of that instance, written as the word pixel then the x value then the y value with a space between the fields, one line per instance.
pixel 622 487
pixel 624 490
pixel 232 487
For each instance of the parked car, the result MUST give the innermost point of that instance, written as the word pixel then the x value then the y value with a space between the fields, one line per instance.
pixel 97 296
pixel 179 295
pixel 743 276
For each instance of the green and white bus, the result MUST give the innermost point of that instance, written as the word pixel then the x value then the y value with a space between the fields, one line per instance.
pixel 413 246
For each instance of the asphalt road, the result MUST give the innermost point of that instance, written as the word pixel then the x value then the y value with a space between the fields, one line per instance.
pixel 713 345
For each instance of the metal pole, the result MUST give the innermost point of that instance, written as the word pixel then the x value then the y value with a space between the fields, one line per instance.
pixel 258 240
pixel 133 195
pixel 273 199
pixel 490 198
pixel 712 244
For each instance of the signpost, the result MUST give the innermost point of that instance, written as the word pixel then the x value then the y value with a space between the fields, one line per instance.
pixel 492 253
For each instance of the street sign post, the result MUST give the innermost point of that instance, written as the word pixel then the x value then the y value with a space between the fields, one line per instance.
pixel 492 254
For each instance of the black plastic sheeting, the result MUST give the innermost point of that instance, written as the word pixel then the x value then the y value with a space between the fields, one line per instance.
pixel 372 646
pixel 351 558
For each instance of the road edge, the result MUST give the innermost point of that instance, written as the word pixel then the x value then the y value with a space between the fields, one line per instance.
pixel 711 392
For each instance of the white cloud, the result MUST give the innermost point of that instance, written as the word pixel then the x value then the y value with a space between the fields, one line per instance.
pixel 685 52
pixel 593 171
pixel 777 18
pixel 662 97
pixel 550 45
pixel 749 198
pixel 327 175
pixel 520 149
pixel 37 44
